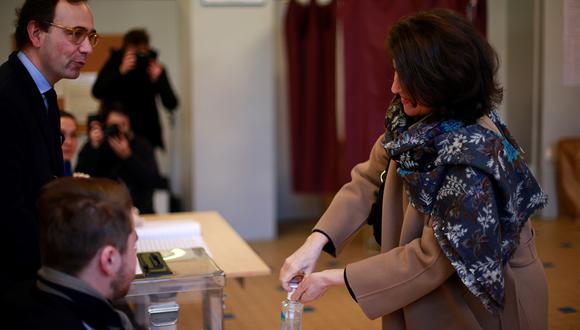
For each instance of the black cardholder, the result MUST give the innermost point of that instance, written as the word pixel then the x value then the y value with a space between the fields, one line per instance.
pixel 152 264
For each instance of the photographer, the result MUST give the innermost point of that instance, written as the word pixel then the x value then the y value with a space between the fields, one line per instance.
pixel 134 77
pixel 114 151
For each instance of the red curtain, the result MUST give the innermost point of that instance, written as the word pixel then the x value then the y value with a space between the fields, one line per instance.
pixel 368 70
pixel 310 42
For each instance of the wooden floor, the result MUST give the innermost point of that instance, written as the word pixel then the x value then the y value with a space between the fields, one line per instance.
pixel 256 305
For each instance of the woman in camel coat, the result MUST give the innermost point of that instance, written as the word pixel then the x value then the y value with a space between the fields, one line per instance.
pixel 457 249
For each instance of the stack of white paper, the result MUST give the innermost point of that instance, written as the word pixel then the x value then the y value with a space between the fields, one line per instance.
pixel 162 235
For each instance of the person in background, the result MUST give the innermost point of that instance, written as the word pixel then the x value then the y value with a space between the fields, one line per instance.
pixel 452 214
pixel 134 77
pixel 53 41
pixel 114 151
pixel 68 130
pixel 88 244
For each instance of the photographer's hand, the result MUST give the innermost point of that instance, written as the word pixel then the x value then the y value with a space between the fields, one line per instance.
pixel 96 135
pixel 129 62
pixel 154 70
pixel 120 146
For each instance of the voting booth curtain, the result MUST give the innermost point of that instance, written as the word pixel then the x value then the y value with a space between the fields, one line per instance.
pixel 311 46
pixel 320 164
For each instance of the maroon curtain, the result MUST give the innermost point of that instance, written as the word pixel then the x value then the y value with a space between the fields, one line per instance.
pixel 310 42
pixel 368 70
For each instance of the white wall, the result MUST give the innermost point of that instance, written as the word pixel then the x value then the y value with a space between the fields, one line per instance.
pixel 519 72
pixel 7 20
pixel 183 139
pixel 560 104
pixel 497 37
pixel 539 109
pixel 233 118
pixel 510 31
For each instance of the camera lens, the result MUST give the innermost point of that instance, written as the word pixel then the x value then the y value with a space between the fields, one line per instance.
pixel 143 60
pixel 112 131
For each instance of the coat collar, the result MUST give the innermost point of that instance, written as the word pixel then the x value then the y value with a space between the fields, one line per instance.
pixel 92 308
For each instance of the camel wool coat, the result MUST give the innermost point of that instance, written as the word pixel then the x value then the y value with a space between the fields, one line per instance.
pixel 411 283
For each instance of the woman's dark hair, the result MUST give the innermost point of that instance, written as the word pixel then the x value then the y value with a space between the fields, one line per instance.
pixel 444 63
pixel 113 106
pixel 40 11
pixel 66 114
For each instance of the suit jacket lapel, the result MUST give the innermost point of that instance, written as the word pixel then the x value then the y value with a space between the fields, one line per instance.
pixel 38 110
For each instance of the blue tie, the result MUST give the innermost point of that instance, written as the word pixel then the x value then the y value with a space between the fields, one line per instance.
pixel 56 137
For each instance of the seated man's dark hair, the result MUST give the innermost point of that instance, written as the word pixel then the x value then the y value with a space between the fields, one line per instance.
pixel 79 216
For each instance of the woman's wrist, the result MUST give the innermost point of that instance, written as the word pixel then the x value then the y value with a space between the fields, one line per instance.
pixel 317 240
pixel 334 277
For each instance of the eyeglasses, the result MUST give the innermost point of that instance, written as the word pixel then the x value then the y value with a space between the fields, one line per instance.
pixel 78 34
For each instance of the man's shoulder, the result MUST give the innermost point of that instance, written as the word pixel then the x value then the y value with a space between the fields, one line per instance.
pixel 11 78
pixel 17 89
pixel 30 308
pixel 46 311
pixel 7 72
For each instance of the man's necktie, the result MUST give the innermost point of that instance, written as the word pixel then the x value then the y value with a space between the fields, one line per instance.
pixel 53 116
pixel 51 101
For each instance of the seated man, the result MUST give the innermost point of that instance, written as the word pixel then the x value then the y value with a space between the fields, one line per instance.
pixel 88 252
pixel 115 152
pixel 68 130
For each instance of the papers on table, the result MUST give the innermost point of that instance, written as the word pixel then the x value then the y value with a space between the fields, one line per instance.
pixel 168 228
pixel 162 235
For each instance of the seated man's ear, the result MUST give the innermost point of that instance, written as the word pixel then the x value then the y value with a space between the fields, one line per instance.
pixel 109 260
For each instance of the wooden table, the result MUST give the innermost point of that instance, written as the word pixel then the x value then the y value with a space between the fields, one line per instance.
pixel 230 252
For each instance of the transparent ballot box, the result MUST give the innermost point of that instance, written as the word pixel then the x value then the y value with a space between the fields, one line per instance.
pixel 189 297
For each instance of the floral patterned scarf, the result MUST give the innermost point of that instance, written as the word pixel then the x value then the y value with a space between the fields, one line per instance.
pixel 475 185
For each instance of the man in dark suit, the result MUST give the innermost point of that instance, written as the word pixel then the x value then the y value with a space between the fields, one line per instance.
pixel 53 41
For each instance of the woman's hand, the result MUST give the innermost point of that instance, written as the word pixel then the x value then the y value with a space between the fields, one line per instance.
pixel 315 285
pixel 303 260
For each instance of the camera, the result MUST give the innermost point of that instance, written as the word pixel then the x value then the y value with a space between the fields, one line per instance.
pixel 112 131
pixel 108 130
pixel 143 58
